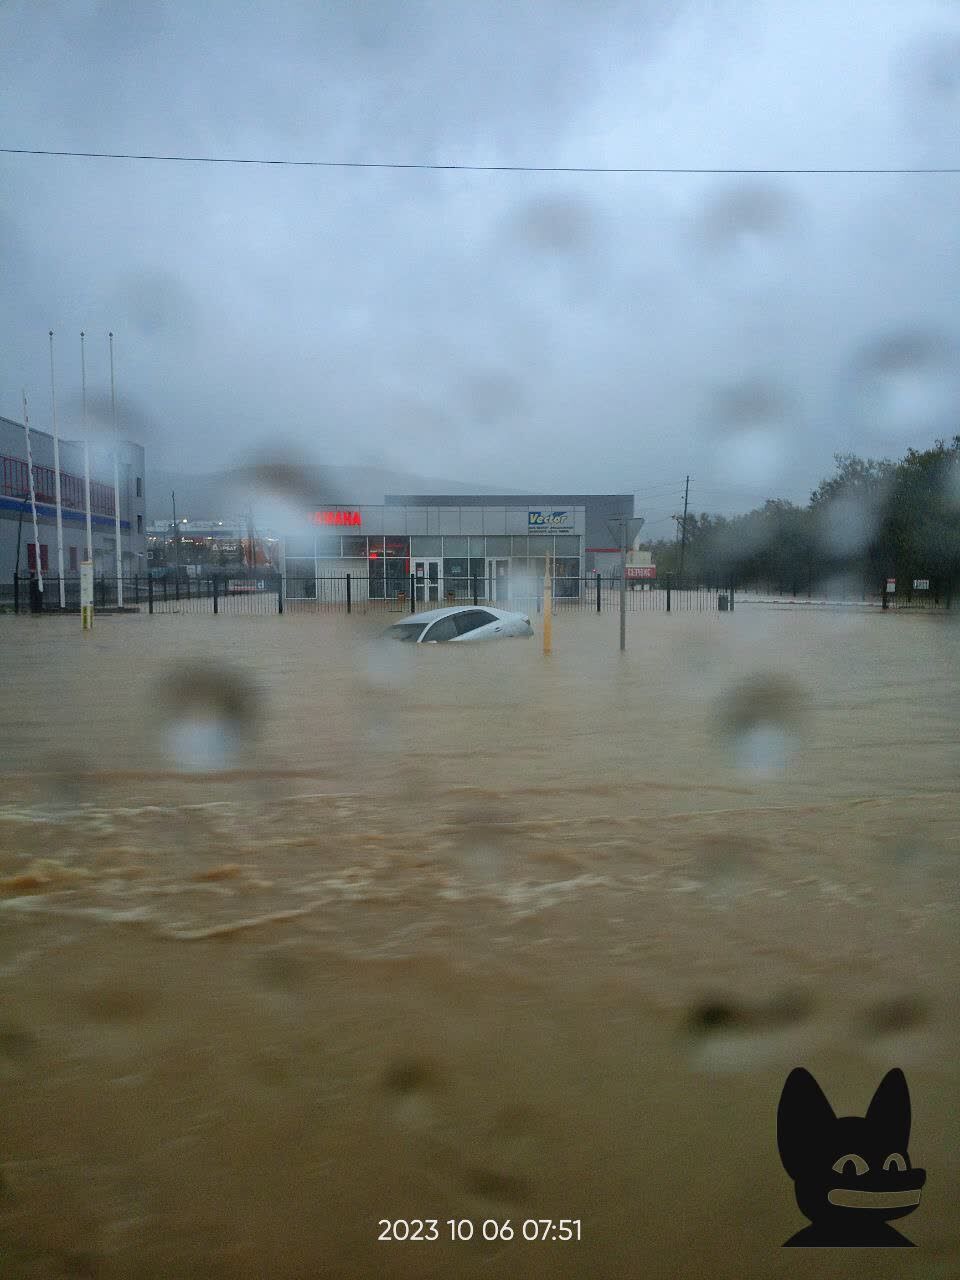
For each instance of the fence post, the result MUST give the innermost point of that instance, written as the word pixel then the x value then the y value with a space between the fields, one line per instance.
pixel 16 593
pixel 150 594
pixel 731 597
pixel 413 593
pixel 164 588
pixel 669 581
pixel 349 593
pixel 216 597
pixel 599 578
pixel 136 588
pixel 103 592
pixel 280 596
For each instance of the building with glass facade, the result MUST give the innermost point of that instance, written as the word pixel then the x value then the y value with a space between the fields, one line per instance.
pixel 494 547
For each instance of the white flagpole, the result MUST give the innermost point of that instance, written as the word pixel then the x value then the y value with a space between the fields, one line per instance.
pixel 33 496
pixel 116 479
pixel 56 478
pixel 86 451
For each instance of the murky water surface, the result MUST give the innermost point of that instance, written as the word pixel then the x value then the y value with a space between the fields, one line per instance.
pixel 299 933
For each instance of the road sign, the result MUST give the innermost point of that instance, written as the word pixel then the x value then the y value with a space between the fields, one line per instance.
pixel 921 584
pixel 891 585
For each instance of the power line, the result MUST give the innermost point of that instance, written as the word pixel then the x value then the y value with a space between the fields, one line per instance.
pixel 463 168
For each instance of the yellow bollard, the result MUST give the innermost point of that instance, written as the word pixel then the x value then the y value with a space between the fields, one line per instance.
pixel 86 594
pixel 547 611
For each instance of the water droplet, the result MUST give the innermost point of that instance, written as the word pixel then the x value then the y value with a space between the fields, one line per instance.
pixel 845 525
pixel 759 722
pixel 202 744
pixel 744 230
pixel 748 427
pixel 906 386
pixel 209 717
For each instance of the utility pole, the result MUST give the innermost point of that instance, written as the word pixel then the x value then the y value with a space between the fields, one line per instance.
pixel 683 539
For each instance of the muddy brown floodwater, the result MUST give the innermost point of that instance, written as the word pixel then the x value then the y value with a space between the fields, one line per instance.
pixel 299 932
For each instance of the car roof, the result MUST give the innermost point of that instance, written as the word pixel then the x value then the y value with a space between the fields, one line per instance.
pixel 431 615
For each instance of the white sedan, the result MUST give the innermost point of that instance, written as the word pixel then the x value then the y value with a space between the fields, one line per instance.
pixel 460 622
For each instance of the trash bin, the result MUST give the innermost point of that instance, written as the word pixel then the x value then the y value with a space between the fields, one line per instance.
pixel 723 603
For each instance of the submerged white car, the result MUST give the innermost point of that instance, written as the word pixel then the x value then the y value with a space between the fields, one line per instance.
pixel 459 622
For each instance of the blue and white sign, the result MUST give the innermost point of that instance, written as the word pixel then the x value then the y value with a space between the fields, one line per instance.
pixel 550 520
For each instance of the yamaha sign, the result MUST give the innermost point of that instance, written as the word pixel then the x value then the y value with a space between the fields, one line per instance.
pixel 550 520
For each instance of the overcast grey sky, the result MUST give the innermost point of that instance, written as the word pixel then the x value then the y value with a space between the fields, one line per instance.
pixel 549 332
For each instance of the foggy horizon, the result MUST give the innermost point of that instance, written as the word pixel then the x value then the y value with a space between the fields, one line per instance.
pixel 528 331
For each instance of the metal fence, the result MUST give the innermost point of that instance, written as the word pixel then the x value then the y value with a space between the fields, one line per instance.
pixel 270 593
pixel 351 593
pixel 140 593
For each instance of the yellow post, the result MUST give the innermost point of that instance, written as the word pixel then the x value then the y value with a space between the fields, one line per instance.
pixel 547 610
pixel 86 594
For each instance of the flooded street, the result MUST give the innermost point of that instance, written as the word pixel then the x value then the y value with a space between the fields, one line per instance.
pixel 300 931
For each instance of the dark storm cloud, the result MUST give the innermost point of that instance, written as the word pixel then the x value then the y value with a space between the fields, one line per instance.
pixel 573 324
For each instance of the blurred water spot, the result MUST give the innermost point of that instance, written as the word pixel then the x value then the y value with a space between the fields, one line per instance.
pixel 846 524
pixel 906 384
pixel 209 717
pixel 202 744
pixel 563 224
pixel 748 427
pixel 897 1014
pixel 386 663
pixel 281 488
pixel 724 1035
pixel 744 231
pixel 928 71
pixel 759 723
pixel 951 482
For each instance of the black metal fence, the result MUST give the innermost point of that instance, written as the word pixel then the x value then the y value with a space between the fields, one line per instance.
pixel 141 593
pixel 351 593
pixel 270 593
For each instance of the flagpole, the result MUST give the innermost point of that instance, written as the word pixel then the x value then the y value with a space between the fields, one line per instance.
pixel 86 450
pixel 56 478
pixel 33 496
pixel 116 479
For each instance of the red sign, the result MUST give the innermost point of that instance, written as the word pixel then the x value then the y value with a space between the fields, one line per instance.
pixel 641 571
pixel 336 517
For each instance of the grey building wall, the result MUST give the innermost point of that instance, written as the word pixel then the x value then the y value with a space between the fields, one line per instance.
pixel 15 510
pixel 598 508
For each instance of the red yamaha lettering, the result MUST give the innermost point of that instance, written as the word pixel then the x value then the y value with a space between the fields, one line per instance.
pixel 337 517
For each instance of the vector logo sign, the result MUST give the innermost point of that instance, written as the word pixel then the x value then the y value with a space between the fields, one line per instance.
pixel 548 521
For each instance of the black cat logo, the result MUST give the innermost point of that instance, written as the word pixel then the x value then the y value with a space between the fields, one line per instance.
pixel 852 1173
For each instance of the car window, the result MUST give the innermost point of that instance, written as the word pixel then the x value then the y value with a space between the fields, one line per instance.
pixel 445 629
pixel 409 631
pixel 471 619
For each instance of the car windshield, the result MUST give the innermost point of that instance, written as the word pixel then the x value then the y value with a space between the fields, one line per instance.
pixel 410 631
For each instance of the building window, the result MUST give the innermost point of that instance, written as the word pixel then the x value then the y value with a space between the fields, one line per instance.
pixel 73 560
pixel 139 520
pixel 32 557
pixel 354 547
pixel 139 487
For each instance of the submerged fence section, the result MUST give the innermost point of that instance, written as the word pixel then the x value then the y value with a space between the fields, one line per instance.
pixel 272 593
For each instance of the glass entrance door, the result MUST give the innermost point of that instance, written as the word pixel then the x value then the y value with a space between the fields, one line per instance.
pixel 498 581
pixel 427 580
